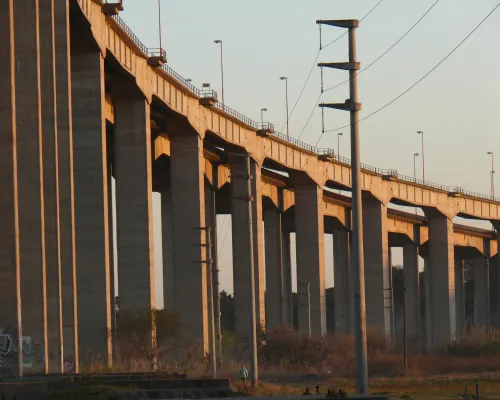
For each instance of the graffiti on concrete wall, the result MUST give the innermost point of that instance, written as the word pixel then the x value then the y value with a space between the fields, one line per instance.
pixel 9 351
pixel 33 353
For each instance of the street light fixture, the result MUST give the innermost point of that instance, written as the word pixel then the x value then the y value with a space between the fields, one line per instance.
pixel 338 143
pixel 221 69
pixel 284 78
pixel 415 165
pixel 423 160
pixel 492 172
pixel 262 115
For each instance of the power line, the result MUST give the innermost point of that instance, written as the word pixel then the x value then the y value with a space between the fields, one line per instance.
pixel 390 48
pixel 316 59
pixel 426 75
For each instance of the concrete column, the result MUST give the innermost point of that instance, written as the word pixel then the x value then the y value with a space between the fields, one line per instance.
pixel 30 184
pixel 481 293
pixel 287 279
pixel 66 183
pixel 134 199
pixel 341 275
pixel 241 256
pixel 10 261
pixel 411 281
pixel 258 248
pixel 189 253
pixel 442 259
pixel 379 304
pixel 167 248
pixel 50 186
pixel 275 278
pixel 92 228
pixel 309 223
pixel 460 294
pixel 428 303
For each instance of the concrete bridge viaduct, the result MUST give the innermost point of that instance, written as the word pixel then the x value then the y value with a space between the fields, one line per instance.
pixel 83 100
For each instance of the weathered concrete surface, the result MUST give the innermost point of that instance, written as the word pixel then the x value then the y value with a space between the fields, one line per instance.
pixel 66 182
pixel 134 199
pixel 411 281
pixel 92 228
pixel 442 276
pixel 188 203
pixel 51 186
pixel 344 300
pixel 482 293
pixel 10 290
pixel 275 274
pixel 460 294
pixel 309 224
pixel 167 247
pixel 379 303
pixel 287 285
pixel 30 178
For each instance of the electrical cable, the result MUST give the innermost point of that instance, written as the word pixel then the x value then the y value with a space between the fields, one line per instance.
pixel 425 75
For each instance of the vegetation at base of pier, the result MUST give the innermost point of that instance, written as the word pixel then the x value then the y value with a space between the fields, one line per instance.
pixel 84 393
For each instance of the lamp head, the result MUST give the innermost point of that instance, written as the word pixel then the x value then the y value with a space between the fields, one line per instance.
pixel 420 132
pixel 217 41
pixel 416 155
pixel 283 78
pixel 340 134
pixel 263 109
pixel 489 152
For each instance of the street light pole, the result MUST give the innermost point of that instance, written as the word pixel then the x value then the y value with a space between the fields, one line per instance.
pixel 262 116
pixel 492 172
pixel 338 143
pixel 415 165
pixel 159 23
pixel 284 78
pixel 221 68
pixel 423 159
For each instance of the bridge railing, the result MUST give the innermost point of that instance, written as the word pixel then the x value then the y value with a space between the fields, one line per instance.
pixel 121 23
pixel 235 114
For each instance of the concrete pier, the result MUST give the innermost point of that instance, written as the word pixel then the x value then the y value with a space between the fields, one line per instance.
pixel 134 199
pixel 92 227
pixel 275 274
pixel 460 294
pixel 189 252
pixel 428 303
pixel 379 303
pixel 30 185
pixel 241 248
pixel 344 301
pixel 309 224
pixel 167 247
pixel 287 284
pixel 10 262
pixel 481 293
pixel 66 183
pixel 442 276
pixel 411 281
pixel 51 186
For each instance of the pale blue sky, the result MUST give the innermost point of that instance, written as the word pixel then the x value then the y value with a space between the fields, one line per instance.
pixel 263 40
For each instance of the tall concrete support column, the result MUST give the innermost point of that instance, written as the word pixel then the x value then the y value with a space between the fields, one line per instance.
pixel 411 281
pixel 482 292
pixel 66 183
pixel 10 257
pixel 379 303
pixel 460 294
pixel 309 224
pixel 189 252
pixel 134 199
pixel 30 184
pixel 287 278
pixel 275 274
pixel 51 185
pixel 241 249
pixel 428 303
pixel 167 247
pixel 442 276
pixel 92 228
pixel 344 305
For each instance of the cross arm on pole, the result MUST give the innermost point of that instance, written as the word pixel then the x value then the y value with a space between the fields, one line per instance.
pixel 347 66
pixel 347 106
pixel 341 23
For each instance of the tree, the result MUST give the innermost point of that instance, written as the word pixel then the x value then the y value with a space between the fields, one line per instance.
pixel 146 333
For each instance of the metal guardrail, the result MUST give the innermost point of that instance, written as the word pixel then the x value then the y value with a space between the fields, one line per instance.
pixel 157 53
pixel 209 93
pixel 121 23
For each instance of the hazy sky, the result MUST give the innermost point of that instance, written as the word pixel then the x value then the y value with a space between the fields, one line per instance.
pixel 265 39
